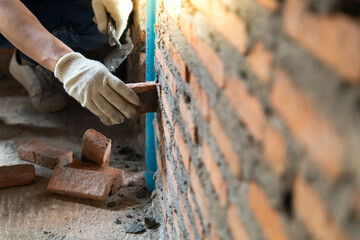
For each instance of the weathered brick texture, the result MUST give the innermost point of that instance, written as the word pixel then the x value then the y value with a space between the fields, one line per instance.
pixel 258 126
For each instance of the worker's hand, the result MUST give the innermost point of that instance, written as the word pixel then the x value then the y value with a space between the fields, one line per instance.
pixel 119 10
pixel 91 83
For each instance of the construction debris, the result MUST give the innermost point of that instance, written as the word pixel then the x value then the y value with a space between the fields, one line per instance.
pixel 80 183
pixel 44 154
pixel 16 175
pixel 96 147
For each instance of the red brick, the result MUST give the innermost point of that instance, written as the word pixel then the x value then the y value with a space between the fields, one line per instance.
pixel 211 61
pixel 117 175
pixel 185 216
pixel 225 145
pixel 96 147
pixel 198 224
pixel 271 5
pixel 147 94
pixel 176 226
pixel 167 108
pixel 176 58
pixel 213 233
pixel 247 107
pixel 311 210
pixel 311 129
pixel 80 183
pixel 183 148
pixel 171 176
pixel 142 87
pixel 274 148
pixel 170 79
pixel 16 175
pixel 161 147
pixel 158 55
pixel 226 22
pixel 235 224
pixel 333 39
pixel 189 122
pixel 199 194
pixel 205 53
pixel 260 60
pixel 267 217
pixel 44 154
pixel 200 96
pixel 216 178
pixel 167 131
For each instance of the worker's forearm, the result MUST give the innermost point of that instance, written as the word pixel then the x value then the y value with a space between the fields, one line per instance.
pixel 27 34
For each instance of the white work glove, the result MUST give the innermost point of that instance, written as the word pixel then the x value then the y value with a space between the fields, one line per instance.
pixel 91 83
pixel 119 10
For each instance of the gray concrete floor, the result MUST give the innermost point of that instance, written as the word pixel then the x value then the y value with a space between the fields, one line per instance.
pixel 29 212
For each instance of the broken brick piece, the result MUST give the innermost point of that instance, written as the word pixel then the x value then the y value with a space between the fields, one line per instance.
pixel 80 183
pixel 117 175
pixel 44 154
pixel 16 175
pixel 96 147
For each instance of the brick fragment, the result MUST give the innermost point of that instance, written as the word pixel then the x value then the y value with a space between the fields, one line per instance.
pixel 44 154
pixel 80 183
pixel 334 39
pixel 324 144
pixel 266 215
pixel 16 175
pixel 96 147
pixel 235 224
pixel 312 211
pixel 216 178
pixel 116 174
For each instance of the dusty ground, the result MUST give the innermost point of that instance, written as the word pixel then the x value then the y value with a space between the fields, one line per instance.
pixel 29 212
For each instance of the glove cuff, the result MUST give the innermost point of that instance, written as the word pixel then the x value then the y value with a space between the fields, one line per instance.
pixel 66 64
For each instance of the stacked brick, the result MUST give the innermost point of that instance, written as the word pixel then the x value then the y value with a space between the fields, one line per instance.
pixel 258 128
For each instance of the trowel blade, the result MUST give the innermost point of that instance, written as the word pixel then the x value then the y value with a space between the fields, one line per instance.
pixel 117 56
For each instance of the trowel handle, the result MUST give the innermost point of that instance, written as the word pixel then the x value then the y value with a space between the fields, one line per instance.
pixel 111 31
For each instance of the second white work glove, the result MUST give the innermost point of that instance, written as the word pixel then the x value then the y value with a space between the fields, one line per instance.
pixel 91 83
pixel 119 10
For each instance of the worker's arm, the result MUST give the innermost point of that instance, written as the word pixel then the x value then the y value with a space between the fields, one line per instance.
pixel 26 33
pixel 86 80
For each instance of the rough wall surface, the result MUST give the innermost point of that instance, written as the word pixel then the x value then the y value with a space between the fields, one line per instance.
pixel 258 127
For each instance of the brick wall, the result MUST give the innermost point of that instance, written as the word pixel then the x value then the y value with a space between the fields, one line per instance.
pixel 258 130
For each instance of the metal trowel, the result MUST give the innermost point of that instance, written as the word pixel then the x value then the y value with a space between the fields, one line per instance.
pixel 120 53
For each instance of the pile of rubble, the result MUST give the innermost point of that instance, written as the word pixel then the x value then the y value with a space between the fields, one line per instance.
pixel 88 178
